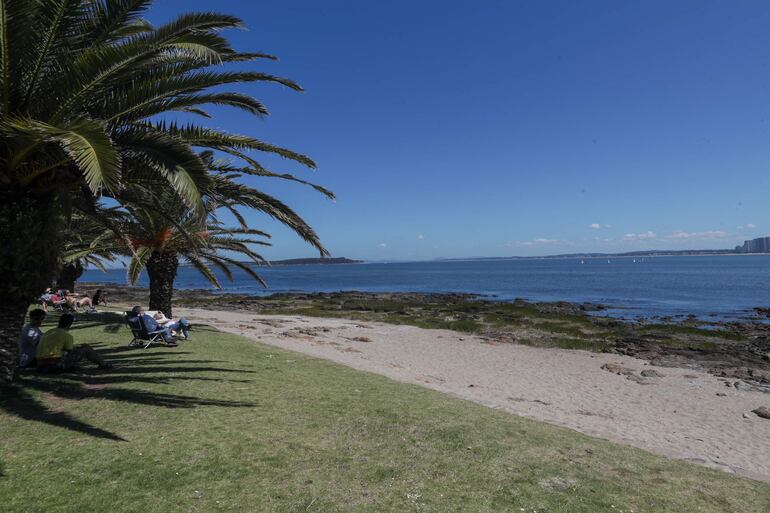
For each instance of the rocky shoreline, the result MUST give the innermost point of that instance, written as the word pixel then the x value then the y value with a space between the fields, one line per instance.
pixel 737 352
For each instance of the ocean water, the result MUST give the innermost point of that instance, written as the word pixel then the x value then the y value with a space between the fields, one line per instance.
pixel 721 287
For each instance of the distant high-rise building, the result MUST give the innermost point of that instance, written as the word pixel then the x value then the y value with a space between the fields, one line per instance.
pixel 760 245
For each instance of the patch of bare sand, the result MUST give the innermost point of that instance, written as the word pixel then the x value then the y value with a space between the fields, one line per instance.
pixel 683 414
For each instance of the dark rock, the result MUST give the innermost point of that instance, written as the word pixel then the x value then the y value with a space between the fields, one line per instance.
pixel 617 368
pixel 614 368
pixel 746 374
pixel 637 379
pixel 559 308
pixel 762 412
pixel 652 373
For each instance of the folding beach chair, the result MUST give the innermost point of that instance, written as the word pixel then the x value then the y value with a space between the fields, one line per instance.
pixel 60 306
pixel 142 337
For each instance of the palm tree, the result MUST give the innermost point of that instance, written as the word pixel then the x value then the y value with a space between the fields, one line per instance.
pixel 162 233
pixel 201 245
pixel 84 86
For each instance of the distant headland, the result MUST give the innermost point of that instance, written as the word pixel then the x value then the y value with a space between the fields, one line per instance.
pixel 309 261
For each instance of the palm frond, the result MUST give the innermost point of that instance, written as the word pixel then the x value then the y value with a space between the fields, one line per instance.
pixel 53 18
pixel 84 141
pixel 260 171
pixel 230 143
pixel 137 264
pixel 109 20
pixel 205 271
pixel 86 88
pixel 244 267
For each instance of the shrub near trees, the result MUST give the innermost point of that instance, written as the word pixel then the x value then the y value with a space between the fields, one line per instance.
pixel 84 87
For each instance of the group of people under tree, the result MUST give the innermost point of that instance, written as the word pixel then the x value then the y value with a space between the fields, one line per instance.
pixel 88 98
pixel 55 349
pixel 66 300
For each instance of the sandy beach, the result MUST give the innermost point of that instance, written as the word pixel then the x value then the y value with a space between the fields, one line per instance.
pixel 683 414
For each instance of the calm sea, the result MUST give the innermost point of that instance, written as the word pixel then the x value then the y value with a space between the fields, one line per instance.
pixel 728 286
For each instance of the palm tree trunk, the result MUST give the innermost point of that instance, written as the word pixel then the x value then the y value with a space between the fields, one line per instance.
pixel 30 248
pixel 161 269
pixel 69 274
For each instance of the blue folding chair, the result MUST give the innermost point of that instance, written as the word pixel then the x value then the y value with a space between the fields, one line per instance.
pixel 142 337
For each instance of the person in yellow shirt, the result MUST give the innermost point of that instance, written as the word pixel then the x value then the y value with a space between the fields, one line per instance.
pixel 56 350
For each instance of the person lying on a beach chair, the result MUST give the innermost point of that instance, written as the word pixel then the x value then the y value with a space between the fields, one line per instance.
pixel 57 352
pixel 76 301
pixel 49 298
pixel 152 325
pixel 180 327
pixel 142 336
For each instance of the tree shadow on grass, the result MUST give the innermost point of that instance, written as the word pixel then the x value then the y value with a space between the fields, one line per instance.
pixel 152 380
pixel 108 328
pixel 129 353
pixel 100 389
pixel 17 400
pixel 26 398
pixel 110 318
pixel 112 321
pixel 173 369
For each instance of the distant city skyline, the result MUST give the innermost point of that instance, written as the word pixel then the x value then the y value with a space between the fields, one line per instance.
pixel 460 128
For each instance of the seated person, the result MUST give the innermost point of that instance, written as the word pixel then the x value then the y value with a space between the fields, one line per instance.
pixel 49 298
pixel 46 296
pixel 150 324
pixel 57 300
pixel 56 350
pixel 181 326
pixel 100 298
pixel 29 338
pixel 85 302
pixel 74 301
pixel 45 299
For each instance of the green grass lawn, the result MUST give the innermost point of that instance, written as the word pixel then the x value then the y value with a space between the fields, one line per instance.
pixel 222 424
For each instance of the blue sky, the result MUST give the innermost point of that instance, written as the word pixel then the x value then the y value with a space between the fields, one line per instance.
pixel 493 128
